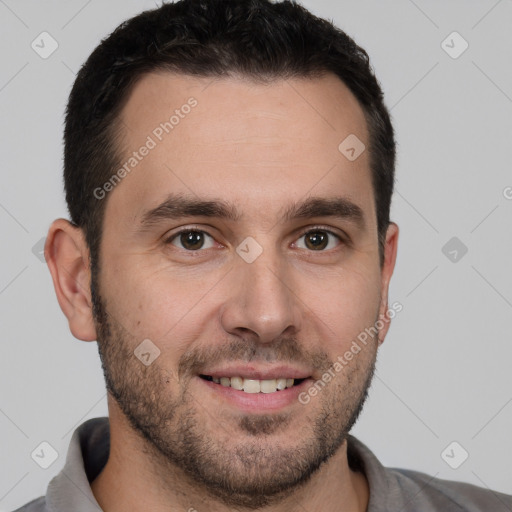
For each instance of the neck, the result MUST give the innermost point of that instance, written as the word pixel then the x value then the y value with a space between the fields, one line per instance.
pixel 136 478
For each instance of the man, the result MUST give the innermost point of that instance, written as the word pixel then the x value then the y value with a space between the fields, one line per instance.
pixel 229 169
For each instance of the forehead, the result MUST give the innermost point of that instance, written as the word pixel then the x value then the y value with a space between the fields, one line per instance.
pixel 258 145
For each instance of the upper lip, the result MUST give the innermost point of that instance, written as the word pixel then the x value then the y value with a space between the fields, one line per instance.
pixel 249 371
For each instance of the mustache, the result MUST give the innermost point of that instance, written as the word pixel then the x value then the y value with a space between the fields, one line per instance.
pixel 283 350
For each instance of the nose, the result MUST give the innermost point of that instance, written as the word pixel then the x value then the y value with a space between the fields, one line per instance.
pixel 262 298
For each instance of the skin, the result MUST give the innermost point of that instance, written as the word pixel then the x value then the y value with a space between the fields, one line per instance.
pixel 261 147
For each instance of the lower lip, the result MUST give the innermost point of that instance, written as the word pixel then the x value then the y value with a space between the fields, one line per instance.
pixel 258 402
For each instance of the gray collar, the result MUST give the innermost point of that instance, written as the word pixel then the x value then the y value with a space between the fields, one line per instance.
pixel 89 449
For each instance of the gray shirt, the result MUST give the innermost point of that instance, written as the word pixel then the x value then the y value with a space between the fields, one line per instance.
pixel 391 490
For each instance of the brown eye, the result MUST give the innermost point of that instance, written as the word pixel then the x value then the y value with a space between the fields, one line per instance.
pixel 191 240
pixel 319 240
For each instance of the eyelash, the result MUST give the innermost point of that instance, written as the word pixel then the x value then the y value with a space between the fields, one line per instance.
pixel 314 229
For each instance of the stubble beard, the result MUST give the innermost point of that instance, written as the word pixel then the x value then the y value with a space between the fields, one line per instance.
pixel 250 473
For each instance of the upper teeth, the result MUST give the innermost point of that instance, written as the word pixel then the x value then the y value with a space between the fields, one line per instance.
pixel 253 385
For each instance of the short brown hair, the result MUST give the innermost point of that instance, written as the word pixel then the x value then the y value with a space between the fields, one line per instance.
pixel 259 39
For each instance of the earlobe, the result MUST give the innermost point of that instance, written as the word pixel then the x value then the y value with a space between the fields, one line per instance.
pixel 390 252
pixel 67 257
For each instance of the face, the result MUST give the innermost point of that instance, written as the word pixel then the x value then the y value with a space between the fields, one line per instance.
pixel 242 246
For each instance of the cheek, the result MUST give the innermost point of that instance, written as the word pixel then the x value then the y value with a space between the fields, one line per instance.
pixel 157 302
pixel 344 304
pixel 175 307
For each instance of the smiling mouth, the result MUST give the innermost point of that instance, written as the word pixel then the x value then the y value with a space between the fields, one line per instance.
pixel 254 385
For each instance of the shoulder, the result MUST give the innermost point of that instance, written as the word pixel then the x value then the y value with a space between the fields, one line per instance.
pixel 432 493
pixel 37 505
pixel 407 490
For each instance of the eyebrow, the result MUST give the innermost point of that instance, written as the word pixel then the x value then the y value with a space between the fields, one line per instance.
pixel 179 206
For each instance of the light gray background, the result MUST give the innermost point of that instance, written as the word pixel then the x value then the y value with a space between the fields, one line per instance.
pixel 444 370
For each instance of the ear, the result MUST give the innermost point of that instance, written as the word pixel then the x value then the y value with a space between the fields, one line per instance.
pixel 68 259
pixel 390 251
